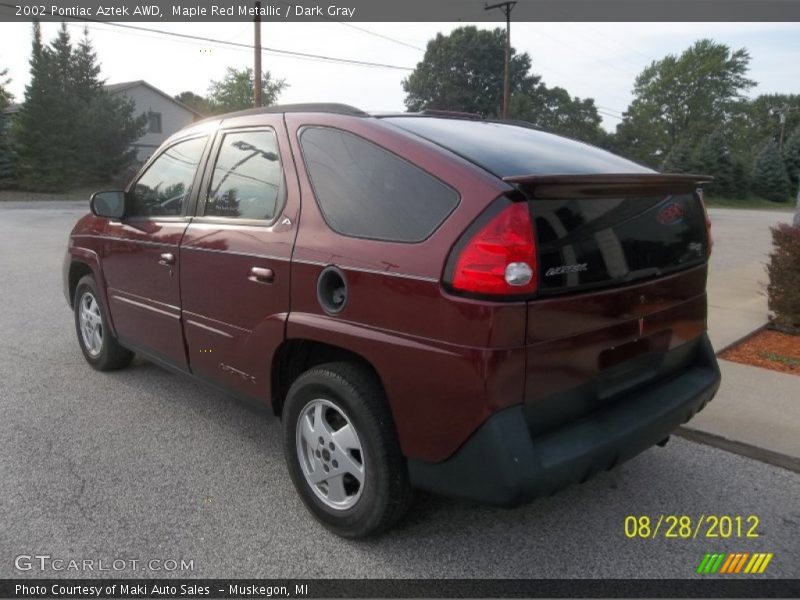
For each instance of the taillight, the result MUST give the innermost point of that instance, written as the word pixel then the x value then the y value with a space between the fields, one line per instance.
pixel 499 258
pixel 708 221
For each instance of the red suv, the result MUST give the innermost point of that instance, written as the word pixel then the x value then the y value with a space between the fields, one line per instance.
pixel 475 308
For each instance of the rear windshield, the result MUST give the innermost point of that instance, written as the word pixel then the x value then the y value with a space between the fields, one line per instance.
pixel 506 149
pixel 597 242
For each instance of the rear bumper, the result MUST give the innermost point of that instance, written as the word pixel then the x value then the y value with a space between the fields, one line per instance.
pixel 503 464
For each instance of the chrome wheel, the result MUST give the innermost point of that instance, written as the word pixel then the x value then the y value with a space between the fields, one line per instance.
pixel 91 324
pixel 330 454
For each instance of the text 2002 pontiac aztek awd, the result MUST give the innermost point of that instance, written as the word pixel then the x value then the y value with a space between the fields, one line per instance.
pixel 434 301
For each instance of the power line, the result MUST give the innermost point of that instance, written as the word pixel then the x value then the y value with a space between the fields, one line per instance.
pixel 364 29
pixel 380 35
pixel 613 110
pixel 294 53
pixel 606 114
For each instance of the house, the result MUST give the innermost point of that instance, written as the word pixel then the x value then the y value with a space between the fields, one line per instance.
pixel 166 115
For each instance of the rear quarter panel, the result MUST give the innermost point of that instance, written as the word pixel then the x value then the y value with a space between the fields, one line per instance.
pixel 439 357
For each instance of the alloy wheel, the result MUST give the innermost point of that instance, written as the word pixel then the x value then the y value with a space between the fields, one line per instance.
pixel 330 454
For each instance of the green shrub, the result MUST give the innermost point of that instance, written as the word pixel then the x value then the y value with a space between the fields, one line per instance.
pixel 783 290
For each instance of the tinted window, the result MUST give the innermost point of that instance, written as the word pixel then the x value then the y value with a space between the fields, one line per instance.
pixel 166 184
pixel 605 241
pixel 366 191
pixel 247 177
pixel 505 149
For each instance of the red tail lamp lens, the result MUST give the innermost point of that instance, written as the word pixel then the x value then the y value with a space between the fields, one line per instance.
pixel 501 257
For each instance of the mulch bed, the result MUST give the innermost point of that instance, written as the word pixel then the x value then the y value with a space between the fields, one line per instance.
pixel 768 349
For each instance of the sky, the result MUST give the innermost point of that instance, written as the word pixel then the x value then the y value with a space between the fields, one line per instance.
pixel 598 60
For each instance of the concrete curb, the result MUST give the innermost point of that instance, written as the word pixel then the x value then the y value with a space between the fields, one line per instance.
pixel 742 339
pixel 776 459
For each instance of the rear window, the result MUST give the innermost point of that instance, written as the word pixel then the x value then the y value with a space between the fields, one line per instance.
pixel 368 192
pixel 505 149
pixel 597 242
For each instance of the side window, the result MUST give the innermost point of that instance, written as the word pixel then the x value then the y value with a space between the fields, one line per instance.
pixel 165 185
pixel 366 191
pixel 247 179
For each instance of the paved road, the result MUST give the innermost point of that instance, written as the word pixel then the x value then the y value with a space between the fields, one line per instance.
pixel 143 464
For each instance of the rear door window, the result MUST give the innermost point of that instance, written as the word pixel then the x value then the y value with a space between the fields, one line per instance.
pixel 366 191
pixel 247 182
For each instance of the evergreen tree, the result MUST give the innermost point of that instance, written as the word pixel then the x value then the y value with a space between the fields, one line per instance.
pixel 5 95
pixel 740 179
pixel 85 76
pixel 679 159
pixel 791 155
pixel 31 123
pixel 769 175
pixel 69 129
pixel 712 157
pixel 6 159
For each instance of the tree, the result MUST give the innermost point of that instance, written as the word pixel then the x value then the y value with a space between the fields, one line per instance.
pixel 712 156
pixel 85 77
pixel 683 98
pixel 195 101
pixel 769 174
pixel 463 71
pixel 553 109
pixel 752 121
pixel 235 90
pixel 791 155
pixel 31 123
pixel 741 179
pixel 679 159
pixel 69 130
pixel 5 95
pixel 6 159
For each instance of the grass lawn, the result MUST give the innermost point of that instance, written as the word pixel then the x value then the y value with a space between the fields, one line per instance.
pixel 751 203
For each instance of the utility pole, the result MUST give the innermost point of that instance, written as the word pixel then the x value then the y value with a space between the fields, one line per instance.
pixel 506 8
pixel 783 111
pixel 257 50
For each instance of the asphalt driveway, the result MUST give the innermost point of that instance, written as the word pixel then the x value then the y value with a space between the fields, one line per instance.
pixel 145 465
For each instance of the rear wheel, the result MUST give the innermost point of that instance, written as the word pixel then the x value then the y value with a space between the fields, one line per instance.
pixel 342 450
pixel 99 346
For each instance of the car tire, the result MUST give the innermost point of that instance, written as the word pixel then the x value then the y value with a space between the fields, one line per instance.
pixel 336 420
pixel 100 348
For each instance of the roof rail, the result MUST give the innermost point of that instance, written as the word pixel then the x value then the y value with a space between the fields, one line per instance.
pixel 322 107
pixel 451 114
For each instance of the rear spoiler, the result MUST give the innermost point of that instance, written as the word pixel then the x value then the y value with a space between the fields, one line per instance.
pixel 566 185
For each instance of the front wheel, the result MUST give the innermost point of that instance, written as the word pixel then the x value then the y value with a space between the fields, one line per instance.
pixel 342 450
pixel 99 346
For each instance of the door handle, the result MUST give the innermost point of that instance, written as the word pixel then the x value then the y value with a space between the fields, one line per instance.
pixel 167 259
pixel 261 275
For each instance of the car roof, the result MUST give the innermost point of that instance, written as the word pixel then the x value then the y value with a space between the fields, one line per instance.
pixel 502 147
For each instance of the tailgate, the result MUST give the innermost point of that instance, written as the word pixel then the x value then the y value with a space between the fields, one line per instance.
pixel 621 301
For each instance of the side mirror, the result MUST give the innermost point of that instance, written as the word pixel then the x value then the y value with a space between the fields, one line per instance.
pixel 108 204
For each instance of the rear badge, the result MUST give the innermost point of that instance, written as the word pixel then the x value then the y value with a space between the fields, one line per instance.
pixel 566 269
pixel 670 214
